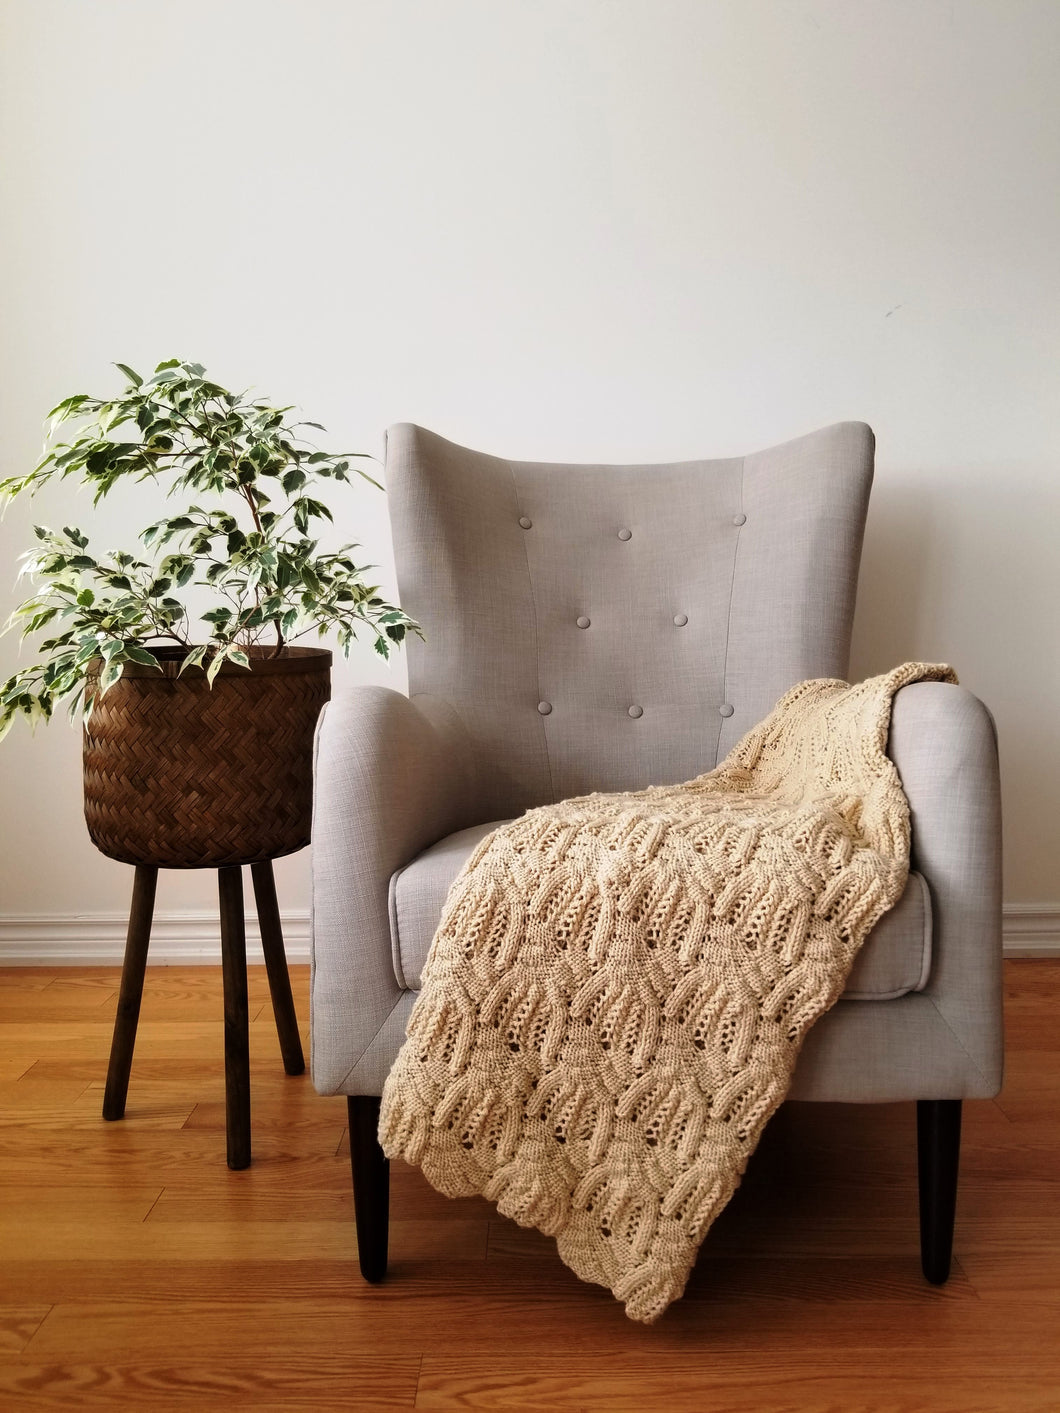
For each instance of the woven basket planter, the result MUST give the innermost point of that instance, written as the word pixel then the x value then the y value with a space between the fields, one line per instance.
pixel 182 775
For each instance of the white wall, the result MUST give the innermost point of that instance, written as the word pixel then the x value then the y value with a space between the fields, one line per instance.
pixel 600 229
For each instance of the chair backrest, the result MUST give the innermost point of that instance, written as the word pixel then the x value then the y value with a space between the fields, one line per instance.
pixel 612 627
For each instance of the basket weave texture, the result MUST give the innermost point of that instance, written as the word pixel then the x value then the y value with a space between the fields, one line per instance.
pixel 182 775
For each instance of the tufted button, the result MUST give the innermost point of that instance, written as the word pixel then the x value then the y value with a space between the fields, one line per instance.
pixel 545 707
pixel 625 534
pixel 583 622
pixel 636 711
pixel 680 619
pixel 525 521
pixel 726 709
pixel 740 519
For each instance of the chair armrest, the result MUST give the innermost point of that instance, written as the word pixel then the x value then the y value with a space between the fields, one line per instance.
pixel 392 776
pixel 944 744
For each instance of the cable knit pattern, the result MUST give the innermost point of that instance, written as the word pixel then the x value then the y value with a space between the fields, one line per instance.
pixel 620 984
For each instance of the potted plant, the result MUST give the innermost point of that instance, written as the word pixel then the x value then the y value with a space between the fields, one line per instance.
pixel 200 706
pixel 197 735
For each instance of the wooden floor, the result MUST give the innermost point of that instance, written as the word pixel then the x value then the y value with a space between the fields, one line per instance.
pixel 137 1272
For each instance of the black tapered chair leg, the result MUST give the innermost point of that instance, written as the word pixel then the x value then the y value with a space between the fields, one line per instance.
pixel 237 1016
pixel 132 990
pixel 371 1186
pixel 276 967
pixel 938 1135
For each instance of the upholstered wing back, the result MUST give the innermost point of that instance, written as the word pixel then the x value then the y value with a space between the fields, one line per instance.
pixel 611 627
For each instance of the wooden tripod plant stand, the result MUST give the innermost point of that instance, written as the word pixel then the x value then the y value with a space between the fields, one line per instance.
pixel 180 773
pixel 234 974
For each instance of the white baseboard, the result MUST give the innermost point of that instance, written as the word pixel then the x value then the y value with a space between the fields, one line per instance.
pixel 187 939
pixel 1031 929
pixel 98 939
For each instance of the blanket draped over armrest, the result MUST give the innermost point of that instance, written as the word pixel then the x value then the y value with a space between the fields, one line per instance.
pixel 620 984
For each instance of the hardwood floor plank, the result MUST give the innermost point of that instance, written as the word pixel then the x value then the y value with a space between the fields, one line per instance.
pixel 313 1122
pixel 46 1201
pixel 221 1280
pixel 190 1070
pixel 26 1235
pixel 329 1233
pixel 821 1281
pixel 168 1040
pixel 866 1239
pixel 84 1114
pixel 185 1159
pixel 234 1204
pixel 302 1379
pixel 1014 1275
pixel 1033 977
pixel 64 979
pixel 558 1313
pixel 26 1094
pixel 834 1385
pixel 1032 1080
pixel 34 978
pixel 17 1324
pixel 722 1278
pixel 39 1007
pixel 181 994
pixel 47 1239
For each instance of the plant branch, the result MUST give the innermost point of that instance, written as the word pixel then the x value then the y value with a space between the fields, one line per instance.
pixel 248 496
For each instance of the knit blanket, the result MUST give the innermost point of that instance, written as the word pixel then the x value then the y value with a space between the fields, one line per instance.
pixel 620 984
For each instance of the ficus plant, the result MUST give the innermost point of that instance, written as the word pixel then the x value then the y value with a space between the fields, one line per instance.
pixel 249 487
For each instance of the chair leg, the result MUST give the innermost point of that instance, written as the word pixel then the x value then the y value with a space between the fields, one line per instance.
pixel 371 1186
pixel 237 1017
pixel 132 990
pixel 276 966
pixel 938 1132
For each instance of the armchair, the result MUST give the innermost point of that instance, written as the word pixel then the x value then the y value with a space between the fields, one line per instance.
pixel 610 627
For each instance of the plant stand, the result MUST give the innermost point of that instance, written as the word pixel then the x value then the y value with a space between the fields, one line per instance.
pixel 234 973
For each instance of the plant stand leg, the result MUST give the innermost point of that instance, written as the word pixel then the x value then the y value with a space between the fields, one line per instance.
pixel 938 1132
pixel 237 1019
pixel 276 966
pixel 371 1186
pixel 132 989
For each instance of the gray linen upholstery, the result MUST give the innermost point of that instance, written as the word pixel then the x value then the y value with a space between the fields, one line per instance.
pixel 896 958
pixel 391 776
pixel 499 560
pixel 606 628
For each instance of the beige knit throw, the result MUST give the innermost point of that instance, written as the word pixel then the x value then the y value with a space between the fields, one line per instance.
pixel 620 984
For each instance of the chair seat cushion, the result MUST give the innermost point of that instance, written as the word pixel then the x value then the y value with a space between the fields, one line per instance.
pixel 895 959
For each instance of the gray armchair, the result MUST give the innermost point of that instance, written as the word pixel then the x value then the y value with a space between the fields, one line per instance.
pixel 610 627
